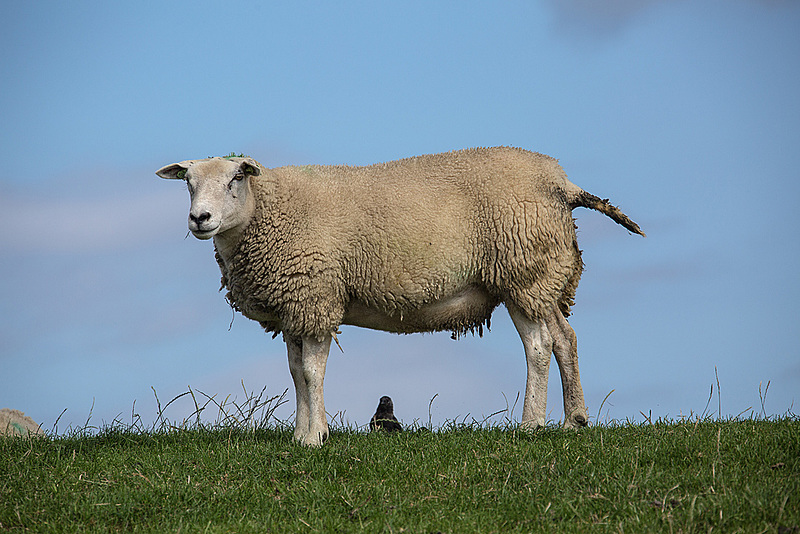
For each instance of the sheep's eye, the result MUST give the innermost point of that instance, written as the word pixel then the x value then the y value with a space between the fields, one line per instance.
pixel 190 188
pixel 238 177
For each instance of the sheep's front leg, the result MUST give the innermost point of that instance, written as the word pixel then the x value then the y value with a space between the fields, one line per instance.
pixel 295 349
pixel 538 347
pixel 565 348
pixel 313 361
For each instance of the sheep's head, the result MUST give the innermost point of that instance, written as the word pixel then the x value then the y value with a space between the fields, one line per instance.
pixel 219 190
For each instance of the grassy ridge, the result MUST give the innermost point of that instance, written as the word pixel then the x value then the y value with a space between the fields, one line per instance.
pixel 729 476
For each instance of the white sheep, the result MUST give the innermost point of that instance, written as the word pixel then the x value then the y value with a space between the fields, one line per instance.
pixel 422 244
pixel 16 423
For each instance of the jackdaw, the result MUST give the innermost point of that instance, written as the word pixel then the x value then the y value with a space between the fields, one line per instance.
pixel 384 417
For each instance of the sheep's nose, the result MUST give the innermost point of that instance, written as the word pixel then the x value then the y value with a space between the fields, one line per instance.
pixel 201 218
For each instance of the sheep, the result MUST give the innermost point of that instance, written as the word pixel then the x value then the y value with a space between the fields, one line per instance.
pixel 423 244
pixel 16 423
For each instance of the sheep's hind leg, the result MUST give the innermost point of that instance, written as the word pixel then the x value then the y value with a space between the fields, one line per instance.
pixel 538 346
pixel 314 360
pixel 295 349
pixel 565 348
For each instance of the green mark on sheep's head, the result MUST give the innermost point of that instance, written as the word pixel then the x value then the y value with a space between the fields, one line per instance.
pixel 231 155
pixel 181 174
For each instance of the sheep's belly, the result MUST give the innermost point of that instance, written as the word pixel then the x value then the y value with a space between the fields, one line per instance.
pixel 465 310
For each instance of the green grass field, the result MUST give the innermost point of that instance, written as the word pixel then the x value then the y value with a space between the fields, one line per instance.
pixel 689 476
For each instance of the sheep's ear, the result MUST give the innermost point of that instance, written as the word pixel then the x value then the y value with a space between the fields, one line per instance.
pixel 176 171
pixel 249 166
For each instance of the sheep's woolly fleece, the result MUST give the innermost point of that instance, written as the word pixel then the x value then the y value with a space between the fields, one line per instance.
pixel 324 236
pixel 16 423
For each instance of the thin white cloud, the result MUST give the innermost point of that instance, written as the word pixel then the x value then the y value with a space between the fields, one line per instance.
pixel 591 18
pixel 607 18
pixel 73 224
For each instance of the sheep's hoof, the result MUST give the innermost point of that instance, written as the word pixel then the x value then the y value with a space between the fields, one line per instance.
pixel 577 419
pixel 314 439
pixel 530 425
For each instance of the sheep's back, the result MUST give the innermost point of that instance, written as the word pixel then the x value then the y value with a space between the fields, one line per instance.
pixel 422 228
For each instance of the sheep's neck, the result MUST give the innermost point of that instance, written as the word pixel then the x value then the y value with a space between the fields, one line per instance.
pixel 227 242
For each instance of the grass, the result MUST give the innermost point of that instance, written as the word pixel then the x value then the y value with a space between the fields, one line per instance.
pixel 235 476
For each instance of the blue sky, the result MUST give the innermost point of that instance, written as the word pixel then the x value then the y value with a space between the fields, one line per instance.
pixel 684 113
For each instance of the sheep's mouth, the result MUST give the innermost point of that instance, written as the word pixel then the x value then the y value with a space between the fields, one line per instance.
pixel 204 234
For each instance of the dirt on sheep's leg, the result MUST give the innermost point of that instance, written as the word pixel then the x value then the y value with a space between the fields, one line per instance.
pixel 538 346
pixel 295 349
pixel 315 358
pixel 565 348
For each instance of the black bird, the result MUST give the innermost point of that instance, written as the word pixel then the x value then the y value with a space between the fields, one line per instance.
pixel 384 418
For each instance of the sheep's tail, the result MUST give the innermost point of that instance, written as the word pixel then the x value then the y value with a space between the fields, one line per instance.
pixel 577 197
